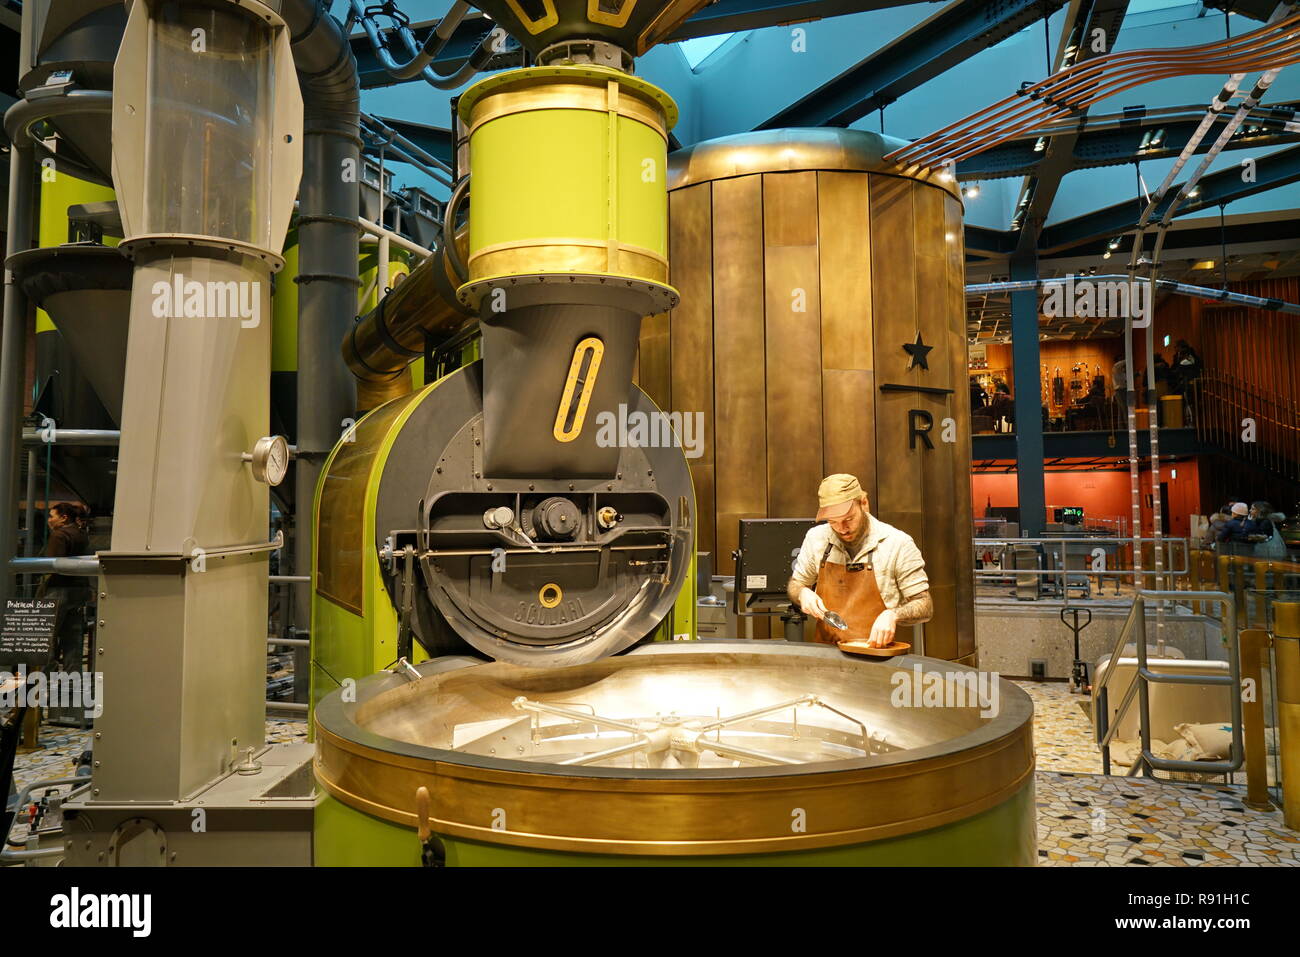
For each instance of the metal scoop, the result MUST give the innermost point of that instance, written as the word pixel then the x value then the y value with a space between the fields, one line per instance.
pixel 835 621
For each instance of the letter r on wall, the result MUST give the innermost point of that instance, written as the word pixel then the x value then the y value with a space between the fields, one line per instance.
pixel 919 424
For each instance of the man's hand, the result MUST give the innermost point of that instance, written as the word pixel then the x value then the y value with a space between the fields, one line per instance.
pixel 882 632
pixel 810 603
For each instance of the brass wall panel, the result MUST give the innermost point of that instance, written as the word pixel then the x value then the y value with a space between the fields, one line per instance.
pixel 796 395
pixel 940 638
pixel 789 209
pixel 691 255
pixel 849 425
pixel 940 470
pixel 793 336
pixel 739 425
pixel 962 513
pixel 654 360
pixel 893 305
pixel 848 385
pixel 844 236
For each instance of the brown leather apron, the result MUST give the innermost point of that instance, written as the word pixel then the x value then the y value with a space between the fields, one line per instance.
pixel 850 591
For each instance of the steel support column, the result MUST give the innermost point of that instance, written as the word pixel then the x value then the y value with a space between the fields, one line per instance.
pixel 1028 399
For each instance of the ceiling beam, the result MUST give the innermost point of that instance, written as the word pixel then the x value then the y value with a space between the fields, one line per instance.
pixel 951 36
pixel 1271 171
pixel 1084 20
pixel 733 16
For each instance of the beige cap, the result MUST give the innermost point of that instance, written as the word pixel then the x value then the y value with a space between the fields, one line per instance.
pixel 836 494
pixel 1240 508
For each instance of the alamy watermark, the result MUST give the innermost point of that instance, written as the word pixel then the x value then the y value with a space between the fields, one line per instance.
pixel 53 689
pixel 918 688
pixel 181 298
pixel 654 430
pixel 1083 298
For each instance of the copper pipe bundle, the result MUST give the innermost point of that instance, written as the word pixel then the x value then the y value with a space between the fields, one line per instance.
pixel 1072 90
pixel 383 343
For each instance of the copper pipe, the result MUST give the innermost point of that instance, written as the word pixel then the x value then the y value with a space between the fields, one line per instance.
pixel 386 340
pixel 1072 89
pixel 1079 86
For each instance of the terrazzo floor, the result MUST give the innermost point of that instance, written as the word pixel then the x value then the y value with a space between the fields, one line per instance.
pixel 1084 818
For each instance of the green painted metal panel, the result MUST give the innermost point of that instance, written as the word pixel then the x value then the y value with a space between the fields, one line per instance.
pixel 345 837
pixel 533 182
pixel 1005 836
pixel 58 192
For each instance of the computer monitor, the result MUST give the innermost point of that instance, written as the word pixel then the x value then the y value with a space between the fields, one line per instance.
pixel 765 559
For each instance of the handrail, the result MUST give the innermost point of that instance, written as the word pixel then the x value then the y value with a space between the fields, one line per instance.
pixel 1066 574
pixel 1169 543
pixel 1136 622
pixel 1226 399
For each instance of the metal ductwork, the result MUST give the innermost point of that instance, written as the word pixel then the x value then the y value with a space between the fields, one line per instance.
pixel 86 289
pixel 327 241
pixel 379 348
pixel 71 44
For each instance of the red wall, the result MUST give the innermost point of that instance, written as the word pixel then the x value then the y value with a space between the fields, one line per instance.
pixel 1101 494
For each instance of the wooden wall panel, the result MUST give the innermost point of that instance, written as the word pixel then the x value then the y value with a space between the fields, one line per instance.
pixel 739 426
pixel 691 359
pixel 793 343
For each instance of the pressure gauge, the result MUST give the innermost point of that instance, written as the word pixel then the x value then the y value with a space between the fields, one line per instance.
pixel 269 459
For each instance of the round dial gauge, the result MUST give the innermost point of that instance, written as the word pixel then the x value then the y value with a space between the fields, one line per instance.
pixel 270 459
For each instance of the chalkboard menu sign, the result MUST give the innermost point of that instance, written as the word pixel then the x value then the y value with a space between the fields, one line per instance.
pixel 27 634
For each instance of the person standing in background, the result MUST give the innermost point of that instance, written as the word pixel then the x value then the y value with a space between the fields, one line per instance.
pixel 69 536
pixel 1235 529
pixel 1184 376
pixel 1119 382
pixel 1261 528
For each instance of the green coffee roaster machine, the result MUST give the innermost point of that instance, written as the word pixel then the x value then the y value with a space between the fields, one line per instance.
pixel 497 591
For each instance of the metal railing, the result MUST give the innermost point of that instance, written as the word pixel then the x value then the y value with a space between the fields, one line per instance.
pixel 1222 403
pixel 1080 576
pixel 1135 630
pixel 1230 573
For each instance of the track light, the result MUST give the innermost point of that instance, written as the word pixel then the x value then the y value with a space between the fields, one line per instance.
pixel 971 191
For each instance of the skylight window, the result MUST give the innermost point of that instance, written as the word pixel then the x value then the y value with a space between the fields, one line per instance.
pixel 697 50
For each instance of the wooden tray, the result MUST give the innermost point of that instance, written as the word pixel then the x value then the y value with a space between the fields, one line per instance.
pixel 860 647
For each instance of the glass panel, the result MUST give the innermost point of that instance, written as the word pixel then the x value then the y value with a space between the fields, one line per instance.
pixel 209 123
pixel 340 521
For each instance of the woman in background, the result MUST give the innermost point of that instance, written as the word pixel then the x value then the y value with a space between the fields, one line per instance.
pixel 69 536
pixel 1262 530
